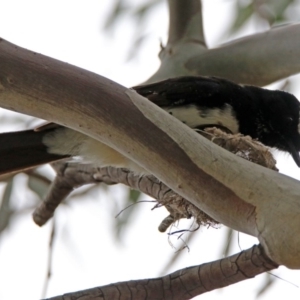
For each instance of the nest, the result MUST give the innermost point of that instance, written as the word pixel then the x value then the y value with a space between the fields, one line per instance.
pixel 242 146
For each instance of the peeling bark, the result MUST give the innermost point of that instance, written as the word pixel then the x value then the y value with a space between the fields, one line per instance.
pixel 186 283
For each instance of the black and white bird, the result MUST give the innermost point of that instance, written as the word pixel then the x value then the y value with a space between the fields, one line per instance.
pixel 272 117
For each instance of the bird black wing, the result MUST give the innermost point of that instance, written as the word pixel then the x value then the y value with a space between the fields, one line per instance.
pixel 206 91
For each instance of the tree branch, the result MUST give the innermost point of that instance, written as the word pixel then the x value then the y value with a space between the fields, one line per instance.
pixel 185 22
pixel 258 59
pixel 71 176
pixel 185 283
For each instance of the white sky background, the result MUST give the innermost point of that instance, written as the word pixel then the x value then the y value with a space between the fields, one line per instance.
pixel 85 251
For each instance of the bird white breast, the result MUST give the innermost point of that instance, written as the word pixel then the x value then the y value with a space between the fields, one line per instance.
pixel 194 116
pixel 65 141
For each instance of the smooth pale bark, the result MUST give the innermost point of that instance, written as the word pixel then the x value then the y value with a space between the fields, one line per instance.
pixel 257 59
pixel 247 197
pixel 185 22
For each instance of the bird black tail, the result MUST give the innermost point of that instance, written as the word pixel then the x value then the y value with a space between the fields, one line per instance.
pixel 22 150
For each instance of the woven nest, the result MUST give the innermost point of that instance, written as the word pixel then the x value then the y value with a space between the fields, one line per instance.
pixel 242 146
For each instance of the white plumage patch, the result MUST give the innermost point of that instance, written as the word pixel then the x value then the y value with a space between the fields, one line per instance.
pixel 193 116
pixel 65 141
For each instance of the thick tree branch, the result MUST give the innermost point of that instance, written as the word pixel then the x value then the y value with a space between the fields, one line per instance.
pixel 186 283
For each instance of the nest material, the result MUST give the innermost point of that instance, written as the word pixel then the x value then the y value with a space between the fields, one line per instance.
pixel 242 146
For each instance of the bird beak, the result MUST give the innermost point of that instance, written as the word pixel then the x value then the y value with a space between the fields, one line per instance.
pixel 294 153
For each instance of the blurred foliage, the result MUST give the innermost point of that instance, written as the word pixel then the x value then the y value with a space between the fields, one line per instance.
pixel 5 210
pixel 230 239
pixel 270 11
pixel 262 11
pixel 123 9
pixel 126 213
pixel 137 13
pixel 268 282
pixel 39 184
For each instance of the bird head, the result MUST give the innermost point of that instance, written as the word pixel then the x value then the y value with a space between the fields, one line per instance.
pixel 278 122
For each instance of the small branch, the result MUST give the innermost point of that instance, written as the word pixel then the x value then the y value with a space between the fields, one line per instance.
pixel 71 176
pixel 185 283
